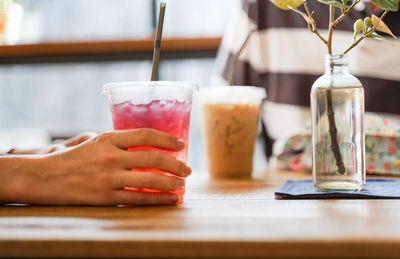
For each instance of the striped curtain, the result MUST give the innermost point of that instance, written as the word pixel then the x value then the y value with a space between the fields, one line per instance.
pixel 285 58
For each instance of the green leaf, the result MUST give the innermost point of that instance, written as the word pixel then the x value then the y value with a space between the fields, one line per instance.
pixel 367 23
pixel 376 36
pixel 358 27
pixel 283 4
pixel 337 4
pixel 391 5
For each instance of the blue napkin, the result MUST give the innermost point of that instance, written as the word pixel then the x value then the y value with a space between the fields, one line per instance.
pixel 374 189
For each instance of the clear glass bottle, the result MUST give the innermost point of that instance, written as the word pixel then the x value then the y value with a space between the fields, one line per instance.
pixel 337 108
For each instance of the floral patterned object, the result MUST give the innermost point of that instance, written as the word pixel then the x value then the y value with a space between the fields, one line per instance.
pixel 382 147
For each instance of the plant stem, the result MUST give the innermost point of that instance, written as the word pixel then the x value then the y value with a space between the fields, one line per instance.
pixel 319 36
pixel 313 28
pixel 359 40
pixel 331 26
pixel 333 133
pixel 329 104
pixel 345 12
pixel 364 35
pixel 384 14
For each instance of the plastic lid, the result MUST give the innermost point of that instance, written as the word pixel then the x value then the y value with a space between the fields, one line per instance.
pixel 143 92
pixel 232 94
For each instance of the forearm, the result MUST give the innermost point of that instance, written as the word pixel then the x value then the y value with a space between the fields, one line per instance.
pixel 18 177
pixel 97 171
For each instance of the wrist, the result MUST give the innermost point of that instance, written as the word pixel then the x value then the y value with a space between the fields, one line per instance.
pixel 19 178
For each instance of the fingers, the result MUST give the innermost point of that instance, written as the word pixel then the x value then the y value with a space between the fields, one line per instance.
pixel 52 148
pixel 144 198
pixel 146 137
pixel 154 159
pixel 149 180
pixel 79 139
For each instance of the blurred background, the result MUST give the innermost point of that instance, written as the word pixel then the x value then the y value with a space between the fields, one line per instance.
pixel 55 55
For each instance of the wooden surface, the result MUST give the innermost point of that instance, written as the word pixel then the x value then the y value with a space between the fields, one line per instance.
pixel 107 47
pixel 231 219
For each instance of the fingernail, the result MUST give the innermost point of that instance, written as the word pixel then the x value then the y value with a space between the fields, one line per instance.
pixel 173 198
pixel 180 144
pixel 188 171
pixel 180 185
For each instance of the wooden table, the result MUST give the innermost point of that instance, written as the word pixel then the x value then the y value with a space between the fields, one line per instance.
pixel 232 219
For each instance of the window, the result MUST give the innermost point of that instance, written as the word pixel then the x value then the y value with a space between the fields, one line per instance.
pixel 54 90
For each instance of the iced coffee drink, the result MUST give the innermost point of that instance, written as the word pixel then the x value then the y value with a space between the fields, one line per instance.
pixel 230 119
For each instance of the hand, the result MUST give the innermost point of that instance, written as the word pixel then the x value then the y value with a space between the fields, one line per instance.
pixel 56 146
pixel 96 172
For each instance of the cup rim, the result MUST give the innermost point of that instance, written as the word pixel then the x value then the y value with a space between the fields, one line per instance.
pixel 132 84
pixel 217 87
pixel 238 94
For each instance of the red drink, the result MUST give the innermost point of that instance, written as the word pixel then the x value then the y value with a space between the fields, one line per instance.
pixel 159 105
pixel 169 116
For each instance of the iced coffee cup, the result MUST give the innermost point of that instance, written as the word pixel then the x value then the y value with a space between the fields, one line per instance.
pixel 159 105
pixel 230 121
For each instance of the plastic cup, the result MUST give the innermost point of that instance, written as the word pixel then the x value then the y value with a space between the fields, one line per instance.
pixel 160 105
pixel 230 122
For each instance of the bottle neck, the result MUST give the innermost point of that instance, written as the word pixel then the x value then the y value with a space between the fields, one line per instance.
pixel 335 64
